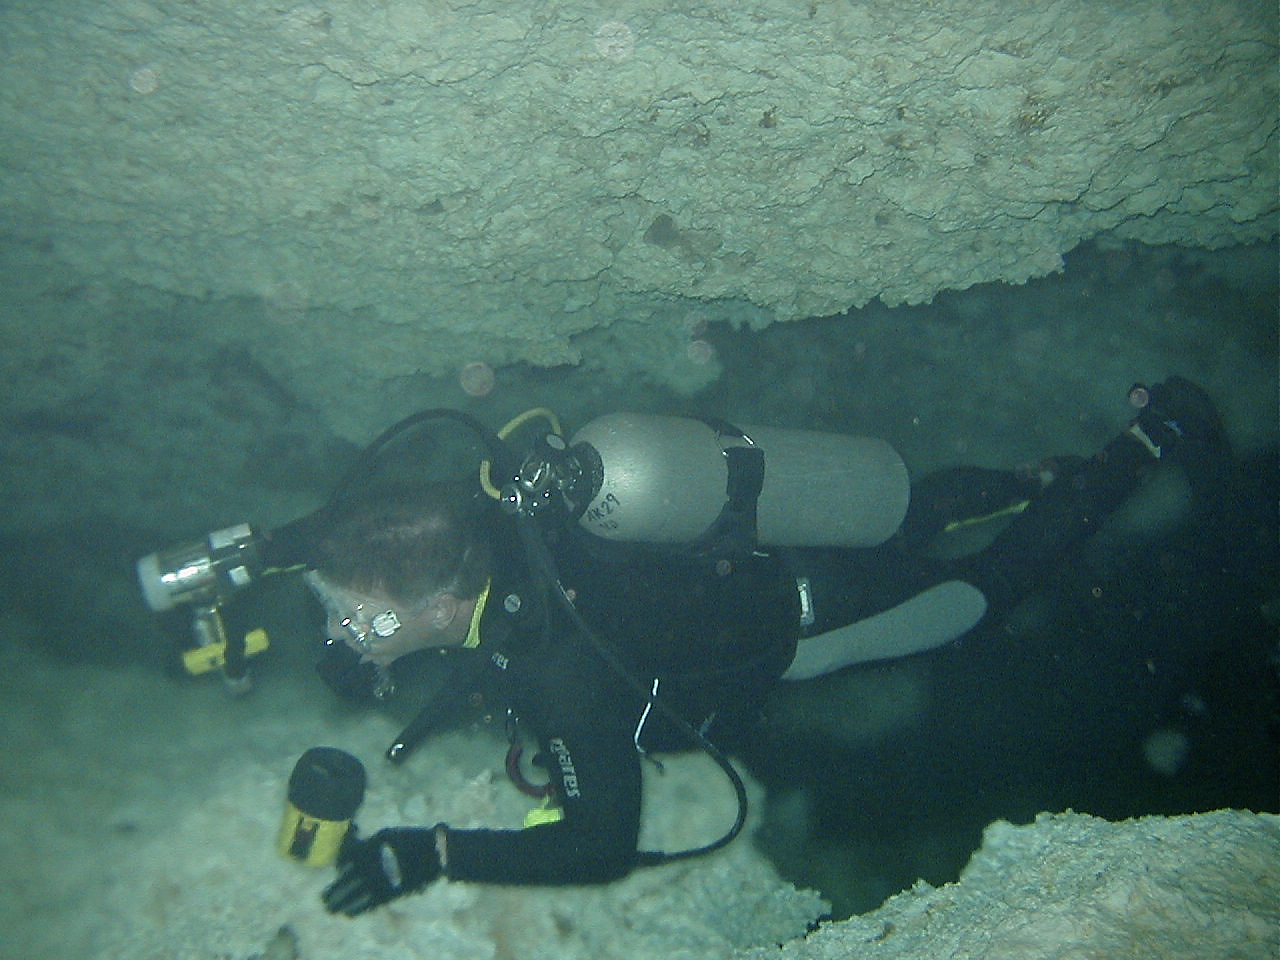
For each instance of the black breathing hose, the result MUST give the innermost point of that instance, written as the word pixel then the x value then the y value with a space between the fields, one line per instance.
pixel 500 454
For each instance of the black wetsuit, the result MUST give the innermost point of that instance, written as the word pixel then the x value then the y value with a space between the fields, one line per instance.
pixel 717 637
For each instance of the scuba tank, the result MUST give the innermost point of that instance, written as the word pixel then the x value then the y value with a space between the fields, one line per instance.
pixel 667 480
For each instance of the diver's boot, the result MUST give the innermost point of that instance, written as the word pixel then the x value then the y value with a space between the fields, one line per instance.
pixel 1172 414
pixel 1176 422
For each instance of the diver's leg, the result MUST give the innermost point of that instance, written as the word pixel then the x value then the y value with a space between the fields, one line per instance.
pixel 896 599
pixel 960 495
pixel 921 603
pixel 931 618
pixel 1176 422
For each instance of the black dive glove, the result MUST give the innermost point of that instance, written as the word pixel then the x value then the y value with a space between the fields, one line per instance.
pixel 389 864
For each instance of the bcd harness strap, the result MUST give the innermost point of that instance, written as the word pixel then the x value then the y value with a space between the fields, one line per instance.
pixel 733 532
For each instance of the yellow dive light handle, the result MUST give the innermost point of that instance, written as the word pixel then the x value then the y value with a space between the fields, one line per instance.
pixel 214 656
pixel 309 840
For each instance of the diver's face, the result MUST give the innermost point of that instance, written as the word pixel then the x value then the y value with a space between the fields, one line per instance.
pixel 374 626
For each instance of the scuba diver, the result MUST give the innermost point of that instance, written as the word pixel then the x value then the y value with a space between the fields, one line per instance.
pixel 646 585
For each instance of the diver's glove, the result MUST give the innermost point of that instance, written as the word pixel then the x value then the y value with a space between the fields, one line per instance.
pixel 374 871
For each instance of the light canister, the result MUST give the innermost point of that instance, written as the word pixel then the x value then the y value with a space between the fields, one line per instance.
pixel 325 790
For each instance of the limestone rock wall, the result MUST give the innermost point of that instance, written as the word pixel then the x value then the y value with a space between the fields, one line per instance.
pixel 408 185
pixel 162 841
pixel 1072 886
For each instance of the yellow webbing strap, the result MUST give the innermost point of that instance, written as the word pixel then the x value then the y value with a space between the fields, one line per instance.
pixel 1011 510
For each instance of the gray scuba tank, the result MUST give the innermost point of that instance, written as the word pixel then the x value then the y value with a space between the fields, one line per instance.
pixel 664 480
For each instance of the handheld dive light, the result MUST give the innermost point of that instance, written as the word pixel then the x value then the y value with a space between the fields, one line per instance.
pixel 325 790
pixel 203 574
pixel 204 571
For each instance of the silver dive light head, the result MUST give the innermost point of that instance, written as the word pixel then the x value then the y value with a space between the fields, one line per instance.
pixel 204 571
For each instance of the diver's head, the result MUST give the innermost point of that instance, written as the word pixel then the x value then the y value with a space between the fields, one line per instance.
pixel 400 569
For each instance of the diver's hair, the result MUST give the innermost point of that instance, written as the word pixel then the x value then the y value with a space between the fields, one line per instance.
pixel 408 543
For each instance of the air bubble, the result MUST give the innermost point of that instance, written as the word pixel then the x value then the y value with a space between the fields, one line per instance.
pixel 477 379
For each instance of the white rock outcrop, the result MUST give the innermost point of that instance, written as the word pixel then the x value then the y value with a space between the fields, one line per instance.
pixel 1074 887
pixel 409 186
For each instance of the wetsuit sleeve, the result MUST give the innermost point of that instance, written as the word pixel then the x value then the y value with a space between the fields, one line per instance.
pixel 596 771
